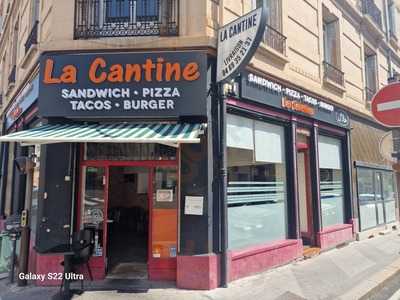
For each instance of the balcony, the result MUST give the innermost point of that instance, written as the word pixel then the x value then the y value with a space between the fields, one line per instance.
pixel 1 100
pixel 110 18
pixel 369 93
pixel 369 8
pixel 332 73
pixel 12 76
pixel 274 39
pixel 32 38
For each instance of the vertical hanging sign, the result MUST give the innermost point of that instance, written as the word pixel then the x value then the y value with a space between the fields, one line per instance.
pixel 238 41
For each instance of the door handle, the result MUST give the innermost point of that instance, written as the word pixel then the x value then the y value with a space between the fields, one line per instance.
pixel 110 221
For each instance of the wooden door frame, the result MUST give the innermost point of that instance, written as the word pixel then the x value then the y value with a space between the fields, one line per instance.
pixel 106 164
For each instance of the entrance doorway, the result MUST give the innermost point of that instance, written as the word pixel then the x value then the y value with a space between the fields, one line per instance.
pixel 128 222
pixel 304 187
pixel 132 206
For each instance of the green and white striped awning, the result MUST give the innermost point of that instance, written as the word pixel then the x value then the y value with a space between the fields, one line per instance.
pixel 163 133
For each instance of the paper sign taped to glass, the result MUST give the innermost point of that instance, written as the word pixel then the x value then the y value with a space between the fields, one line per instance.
pixel 165 196
pixel 194 205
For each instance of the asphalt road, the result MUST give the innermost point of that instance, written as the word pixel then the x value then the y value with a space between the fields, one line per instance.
pixel 389 290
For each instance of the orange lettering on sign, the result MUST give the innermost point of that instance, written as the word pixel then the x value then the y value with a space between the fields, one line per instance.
pixel 98 62
pixel 297 106
pixel 116 74
pixel 191 72
pixel 48 72
pixel 68 75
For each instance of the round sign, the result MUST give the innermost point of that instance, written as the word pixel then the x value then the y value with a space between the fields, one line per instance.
pixel 385 105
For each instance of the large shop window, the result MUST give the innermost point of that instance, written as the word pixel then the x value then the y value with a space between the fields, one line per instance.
pixel 256 182
pixel 331 180
pixel 377 197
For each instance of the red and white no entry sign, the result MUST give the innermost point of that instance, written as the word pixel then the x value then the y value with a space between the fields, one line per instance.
pixel 385 105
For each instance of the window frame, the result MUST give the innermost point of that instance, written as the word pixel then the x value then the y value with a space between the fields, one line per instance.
pixel 286 161
pixel 376 199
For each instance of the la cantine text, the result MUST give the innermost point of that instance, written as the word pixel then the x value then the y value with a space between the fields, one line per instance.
pixel 100 71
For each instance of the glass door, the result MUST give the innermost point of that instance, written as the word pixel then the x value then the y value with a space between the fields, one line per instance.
pixel 93 210
pixel 379 198
pixel 164 223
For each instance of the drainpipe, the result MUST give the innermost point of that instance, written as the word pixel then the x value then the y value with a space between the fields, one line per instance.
pixel 387 24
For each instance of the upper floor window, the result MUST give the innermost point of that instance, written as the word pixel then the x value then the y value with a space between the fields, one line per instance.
pixel 370 9
pixel 32 37
pixel 331 39
pixel 273 36
pixel 370 68
pixel 127 10
pixel 274 12
pixel 392 12
pixel 107 18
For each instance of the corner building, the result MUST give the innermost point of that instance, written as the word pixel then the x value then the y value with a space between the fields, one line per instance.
pixel 115 103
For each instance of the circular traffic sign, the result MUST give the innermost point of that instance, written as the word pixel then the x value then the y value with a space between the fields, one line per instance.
pixel 385 105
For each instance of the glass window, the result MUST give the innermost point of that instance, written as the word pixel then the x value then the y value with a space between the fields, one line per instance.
pixel 118 10
pixel 93 204
pixel 331 180
pixel 366 196
pixel 165 213
pixel 377 197
pixel 35 151
pixel 389 196
pixel 147 10
pixel 256 183
pixel 132 10
pixel 116 151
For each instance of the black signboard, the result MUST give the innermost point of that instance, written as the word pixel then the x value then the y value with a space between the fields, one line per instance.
pixel 163 84
pixel 266 91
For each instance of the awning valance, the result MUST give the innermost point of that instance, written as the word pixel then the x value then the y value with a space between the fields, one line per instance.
pixel 163 133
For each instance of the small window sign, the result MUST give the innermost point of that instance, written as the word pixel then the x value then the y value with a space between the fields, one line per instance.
pixel 164 196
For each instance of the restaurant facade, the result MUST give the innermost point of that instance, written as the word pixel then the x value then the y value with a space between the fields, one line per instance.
pixel 118 110
pixel 128 148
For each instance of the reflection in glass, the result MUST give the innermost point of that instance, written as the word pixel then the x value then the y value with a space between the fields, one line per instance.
pixel 34 152
pixel 93 204
pixel 126 151
pixel 165 213
pixel 331 180
pixel 256 184
pixel 377 197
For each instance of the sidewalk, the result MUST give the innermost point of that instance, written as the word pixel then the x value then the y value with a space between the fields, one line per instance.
pixel 347 273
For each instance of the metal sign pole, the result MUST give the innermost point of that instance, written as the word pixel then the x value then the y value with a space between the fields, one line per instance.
pixel 223 184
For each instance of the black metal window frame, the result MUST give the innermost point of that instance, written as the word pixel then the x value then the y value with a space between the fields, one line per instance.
pixel 376 200
pixel 123 18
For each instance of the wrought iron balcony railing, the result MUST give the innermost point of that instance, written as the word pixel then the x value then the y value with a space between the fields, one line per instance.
pixel 333 73
pixel 1 100
pixel 121 18
pixel 274 39
pixel 32 38
pixel 393 34
pixel 369 8
pixel 12 76
pixel 369 93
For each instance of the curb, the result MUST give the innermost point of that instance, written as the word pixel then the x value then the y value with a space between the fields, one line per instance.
pixel 374 283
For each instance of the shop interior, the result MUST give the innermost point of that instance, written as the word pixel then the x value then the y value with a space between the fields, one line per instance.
pixel 128 223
